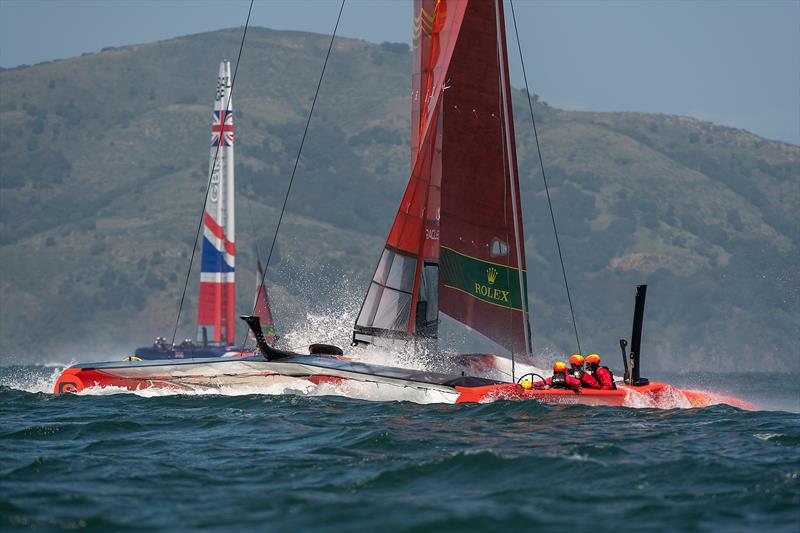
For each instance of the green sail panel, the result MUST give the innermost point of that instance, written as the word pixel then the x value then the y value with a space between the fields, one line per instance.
pixel 489 282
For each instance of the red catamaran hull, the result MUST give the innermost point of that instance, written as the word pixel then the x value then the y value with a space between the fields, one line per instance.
pixel 253 371
pixel 651 395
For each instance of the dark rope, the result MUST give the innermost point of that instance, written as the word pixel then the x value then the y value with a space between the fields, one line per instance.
pixel 211 175
pixel 297 159
pixel 544 178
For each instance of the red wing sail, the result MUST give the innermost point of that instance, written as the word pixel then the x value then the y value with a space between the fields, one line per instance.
pixel 482 256
pixel 402 297
pixel 402 272
pixel 262 309
pixel 456 244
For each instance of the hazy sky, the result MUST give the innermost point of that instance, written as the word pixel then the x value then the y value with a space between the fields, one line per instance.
pixel 732 62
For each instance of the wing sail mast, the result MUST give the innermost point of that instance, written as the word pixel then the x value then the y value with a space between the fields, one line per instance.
pixel 215 317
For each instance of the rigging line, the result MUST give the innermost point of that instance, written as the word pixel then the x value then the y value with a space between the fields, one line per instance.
pixel 544 178
pixel 512 170
pixel 210 176
pixel 297 159
pixel 506 179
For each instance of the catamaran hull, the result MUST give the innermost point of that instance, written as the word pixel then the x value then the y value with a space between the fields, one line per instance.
pixel 366 381
pixel 256 372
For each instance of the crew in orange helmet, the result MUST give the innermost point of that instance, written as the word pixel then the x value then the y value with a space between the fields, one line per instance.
pixel 602 374
pixel 576 371
pixel 560 379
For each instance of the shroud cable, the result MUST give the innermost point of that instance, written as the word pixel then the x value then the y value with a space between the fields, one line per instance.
pixel 208 186
pixel 297 159
pixel 544 178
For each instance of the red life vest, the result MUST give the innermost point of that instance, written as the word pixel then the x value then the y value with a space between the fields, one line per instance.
pixel 589 381
pixel 605 378
pixel 586 379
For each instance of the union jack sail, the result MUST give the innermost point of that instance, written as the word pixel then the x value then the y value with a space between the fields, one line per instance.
pixel 215 317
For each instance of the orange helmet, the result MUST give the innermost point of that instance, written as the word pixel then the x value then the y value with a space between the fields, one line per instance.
pixel 593 359
pixel 576 360
pixel 560 366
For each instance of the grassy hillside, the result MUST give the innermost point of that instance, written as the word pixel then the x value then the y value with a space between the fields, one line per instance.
pixel 104 161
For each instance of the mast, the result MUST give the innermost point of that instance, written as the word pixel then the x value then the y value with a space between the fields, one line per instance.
pixel 230 214
pixel 215 315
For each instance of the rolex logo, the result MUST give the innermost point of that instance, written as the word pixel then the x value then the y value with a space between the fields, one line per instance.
pixel 490 293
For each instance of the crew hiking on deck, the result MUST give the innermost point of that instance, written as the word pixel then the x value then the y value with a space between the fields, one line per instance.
pixel 575 377
pixel 602 374
pixel 561 379
pixel 576 371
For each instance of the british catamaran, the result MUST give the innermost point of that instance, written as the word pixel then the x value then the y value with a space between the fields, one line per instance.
pixel 217 291
pixel 456 248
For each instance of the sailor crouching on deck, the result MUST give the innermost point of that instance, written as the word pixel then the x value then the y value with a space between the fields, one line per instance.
pixel 560 379
pixel 602 374
pixel 576 371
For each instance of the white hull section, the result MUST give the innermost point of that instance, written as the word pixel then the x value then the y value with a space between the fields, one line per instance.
pixel 255 375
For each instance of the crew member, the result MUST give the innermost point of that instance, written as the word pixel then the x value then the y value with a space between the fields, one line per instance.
pixel 602 374
pixel 560 379
pixel 576 370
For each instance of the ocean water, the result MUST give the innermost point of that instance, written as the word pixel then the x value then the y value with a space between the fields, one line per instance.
pixel 284 462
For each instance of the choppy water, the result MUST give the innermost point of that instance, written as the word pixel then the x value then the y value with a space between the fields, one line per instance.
pixel 127 461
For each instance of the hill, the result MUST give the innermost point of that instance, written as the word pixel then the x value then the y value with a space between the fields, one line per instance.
pixel 104 161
